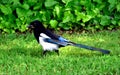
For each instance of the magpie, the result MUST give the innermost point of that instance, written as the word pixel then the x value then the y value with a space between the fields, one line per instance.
pixel 52 42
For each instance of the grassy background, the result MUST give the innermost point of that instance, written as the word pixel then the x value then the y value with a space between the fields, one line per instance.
pixel 20 54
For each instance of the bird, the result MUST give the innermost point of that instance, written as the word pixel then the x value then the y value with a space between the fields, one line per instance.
pixel 52 42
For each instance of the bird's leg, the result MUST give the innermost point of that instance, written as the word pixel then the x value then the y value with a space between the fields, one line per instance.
pixel 44 52
pixel 57 51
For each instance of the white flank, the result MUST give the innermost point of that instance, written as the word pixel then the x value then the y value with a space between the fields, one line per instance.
pixel 46 45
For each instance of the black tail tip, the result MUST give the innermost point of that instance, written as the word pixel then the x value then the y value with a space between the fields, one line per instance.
pixel 106 52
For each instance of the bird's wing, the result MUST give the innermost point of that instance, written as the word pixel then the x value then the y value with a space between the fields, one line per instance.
pixel 51 34
pixel 55 37
pixel 62 39
pixel 55 42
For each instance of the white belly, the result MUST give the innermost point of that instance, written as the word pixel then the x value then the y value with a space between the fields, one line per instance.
pixel 46 45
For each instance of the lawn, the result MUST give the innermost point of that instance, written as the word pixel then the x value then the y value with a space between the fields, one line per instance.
pixel 20 54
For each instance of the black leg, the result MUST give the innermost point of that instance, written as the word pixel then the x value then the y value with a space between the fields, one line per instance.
pixel 44 52
pixel 57 51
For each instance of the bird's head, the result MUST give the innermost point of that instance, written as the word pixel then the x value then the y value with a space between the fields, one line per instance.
pixel 35 25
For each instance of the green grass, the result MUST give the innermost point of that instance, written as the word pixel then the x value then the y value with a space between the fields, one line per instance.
pixel 20 54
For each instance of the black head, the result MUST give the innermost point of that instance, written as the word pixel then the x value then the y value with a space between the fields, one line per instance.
pixel 37 28
pixel 36 24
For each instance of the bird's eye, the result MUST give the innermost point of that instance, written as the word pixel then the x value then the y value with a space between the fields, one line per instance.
pixel 34 23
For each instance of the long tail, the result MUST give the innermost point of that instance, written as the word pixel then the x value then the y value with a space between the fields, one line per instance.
pixel 90 48
pixel 77 45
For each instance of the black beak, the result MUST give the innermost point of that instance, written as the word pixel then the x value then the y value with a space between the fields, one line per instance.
pixel 30 26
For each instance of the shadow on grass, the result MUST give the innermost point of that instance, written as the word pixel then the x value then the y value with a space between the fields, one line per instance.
pixel 37 53
pixel 22 52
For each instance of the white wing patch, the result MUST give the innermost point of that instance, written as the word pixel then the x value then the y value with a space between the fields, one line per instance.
pixel 46 45
pixel 44 35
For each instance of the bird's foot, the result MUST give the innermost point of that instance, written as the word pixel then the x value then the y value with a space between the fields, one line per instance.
pixel 57 51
